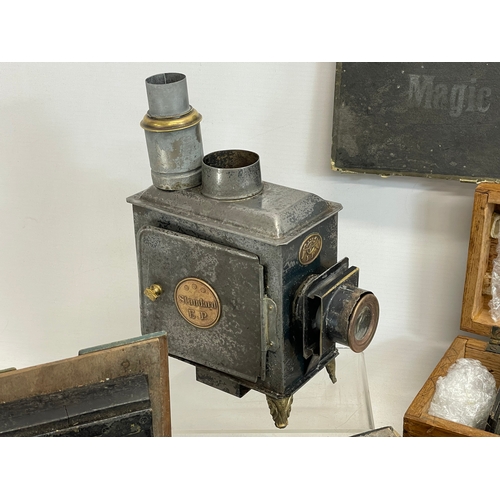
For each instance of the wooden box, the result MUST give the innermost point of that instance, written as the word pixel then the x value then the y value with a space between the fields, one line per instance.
pixel 118 389
pixel 475 319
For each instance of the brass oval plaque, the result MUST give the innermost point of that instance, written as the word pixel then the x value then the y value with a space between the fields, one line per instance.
pixel 310 248
pixel 197 302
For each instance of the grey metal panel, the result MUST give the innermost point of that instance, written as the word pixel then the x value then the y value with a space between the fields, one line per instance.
pixel 236 340
pixel 283 275
pixel 275 216
pixel 420 119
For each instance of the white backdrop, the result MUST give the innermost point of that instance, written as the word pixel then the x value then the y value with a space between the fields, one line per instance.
pixel 71 151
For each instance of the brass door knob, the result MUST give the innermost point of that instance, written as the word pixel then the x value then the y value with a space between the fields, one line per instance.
pixel 153 292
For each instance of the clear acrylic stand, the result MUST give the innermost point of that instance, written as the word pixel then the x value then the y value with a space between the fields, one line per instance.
pixel 319 408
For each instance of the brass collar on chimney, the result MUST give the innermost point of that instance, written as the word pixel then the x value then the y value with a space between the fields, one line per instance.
pixel 151 124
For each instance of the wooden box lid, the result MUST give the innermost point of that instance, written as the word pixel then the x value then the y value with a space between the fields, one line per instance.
pixel 419 119
pixel 483 242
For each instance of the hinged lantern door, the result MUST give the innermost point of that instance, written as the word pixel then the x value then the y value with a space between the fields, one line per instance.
pixel 207 297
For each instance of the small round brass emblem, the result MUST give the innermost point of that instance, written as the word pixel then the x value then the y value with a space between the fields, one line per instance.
pixel 310 248
pixel 197 302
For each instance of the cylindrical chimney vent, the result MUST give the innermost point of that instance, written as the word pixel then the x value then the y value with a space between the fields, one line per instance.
pixel 231 175
pixel 173 135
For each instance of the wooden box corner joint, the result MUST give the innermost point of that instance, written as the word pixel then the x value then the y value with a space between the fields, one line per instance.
pixel 475 319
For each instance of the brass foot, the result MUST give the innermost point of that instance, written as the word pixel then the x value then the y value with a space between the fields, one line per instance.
pixel 280 410
pixel 330 368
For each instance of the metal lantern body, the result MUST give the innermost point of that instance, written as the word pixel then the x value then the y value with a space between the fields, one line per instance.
pixel 243 276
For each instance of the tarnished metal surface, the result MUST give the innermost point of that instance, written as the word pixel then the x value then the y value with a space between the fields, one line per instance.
pixel 276 216
pixel 232 343
pixel 231 175
pixel 169 169
pixel 330 308
pixel 173 134
pixel 429 119
pixel 232 258
pixel 220 381
pixel 277 243
pixel 269 324
pixel 167 95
